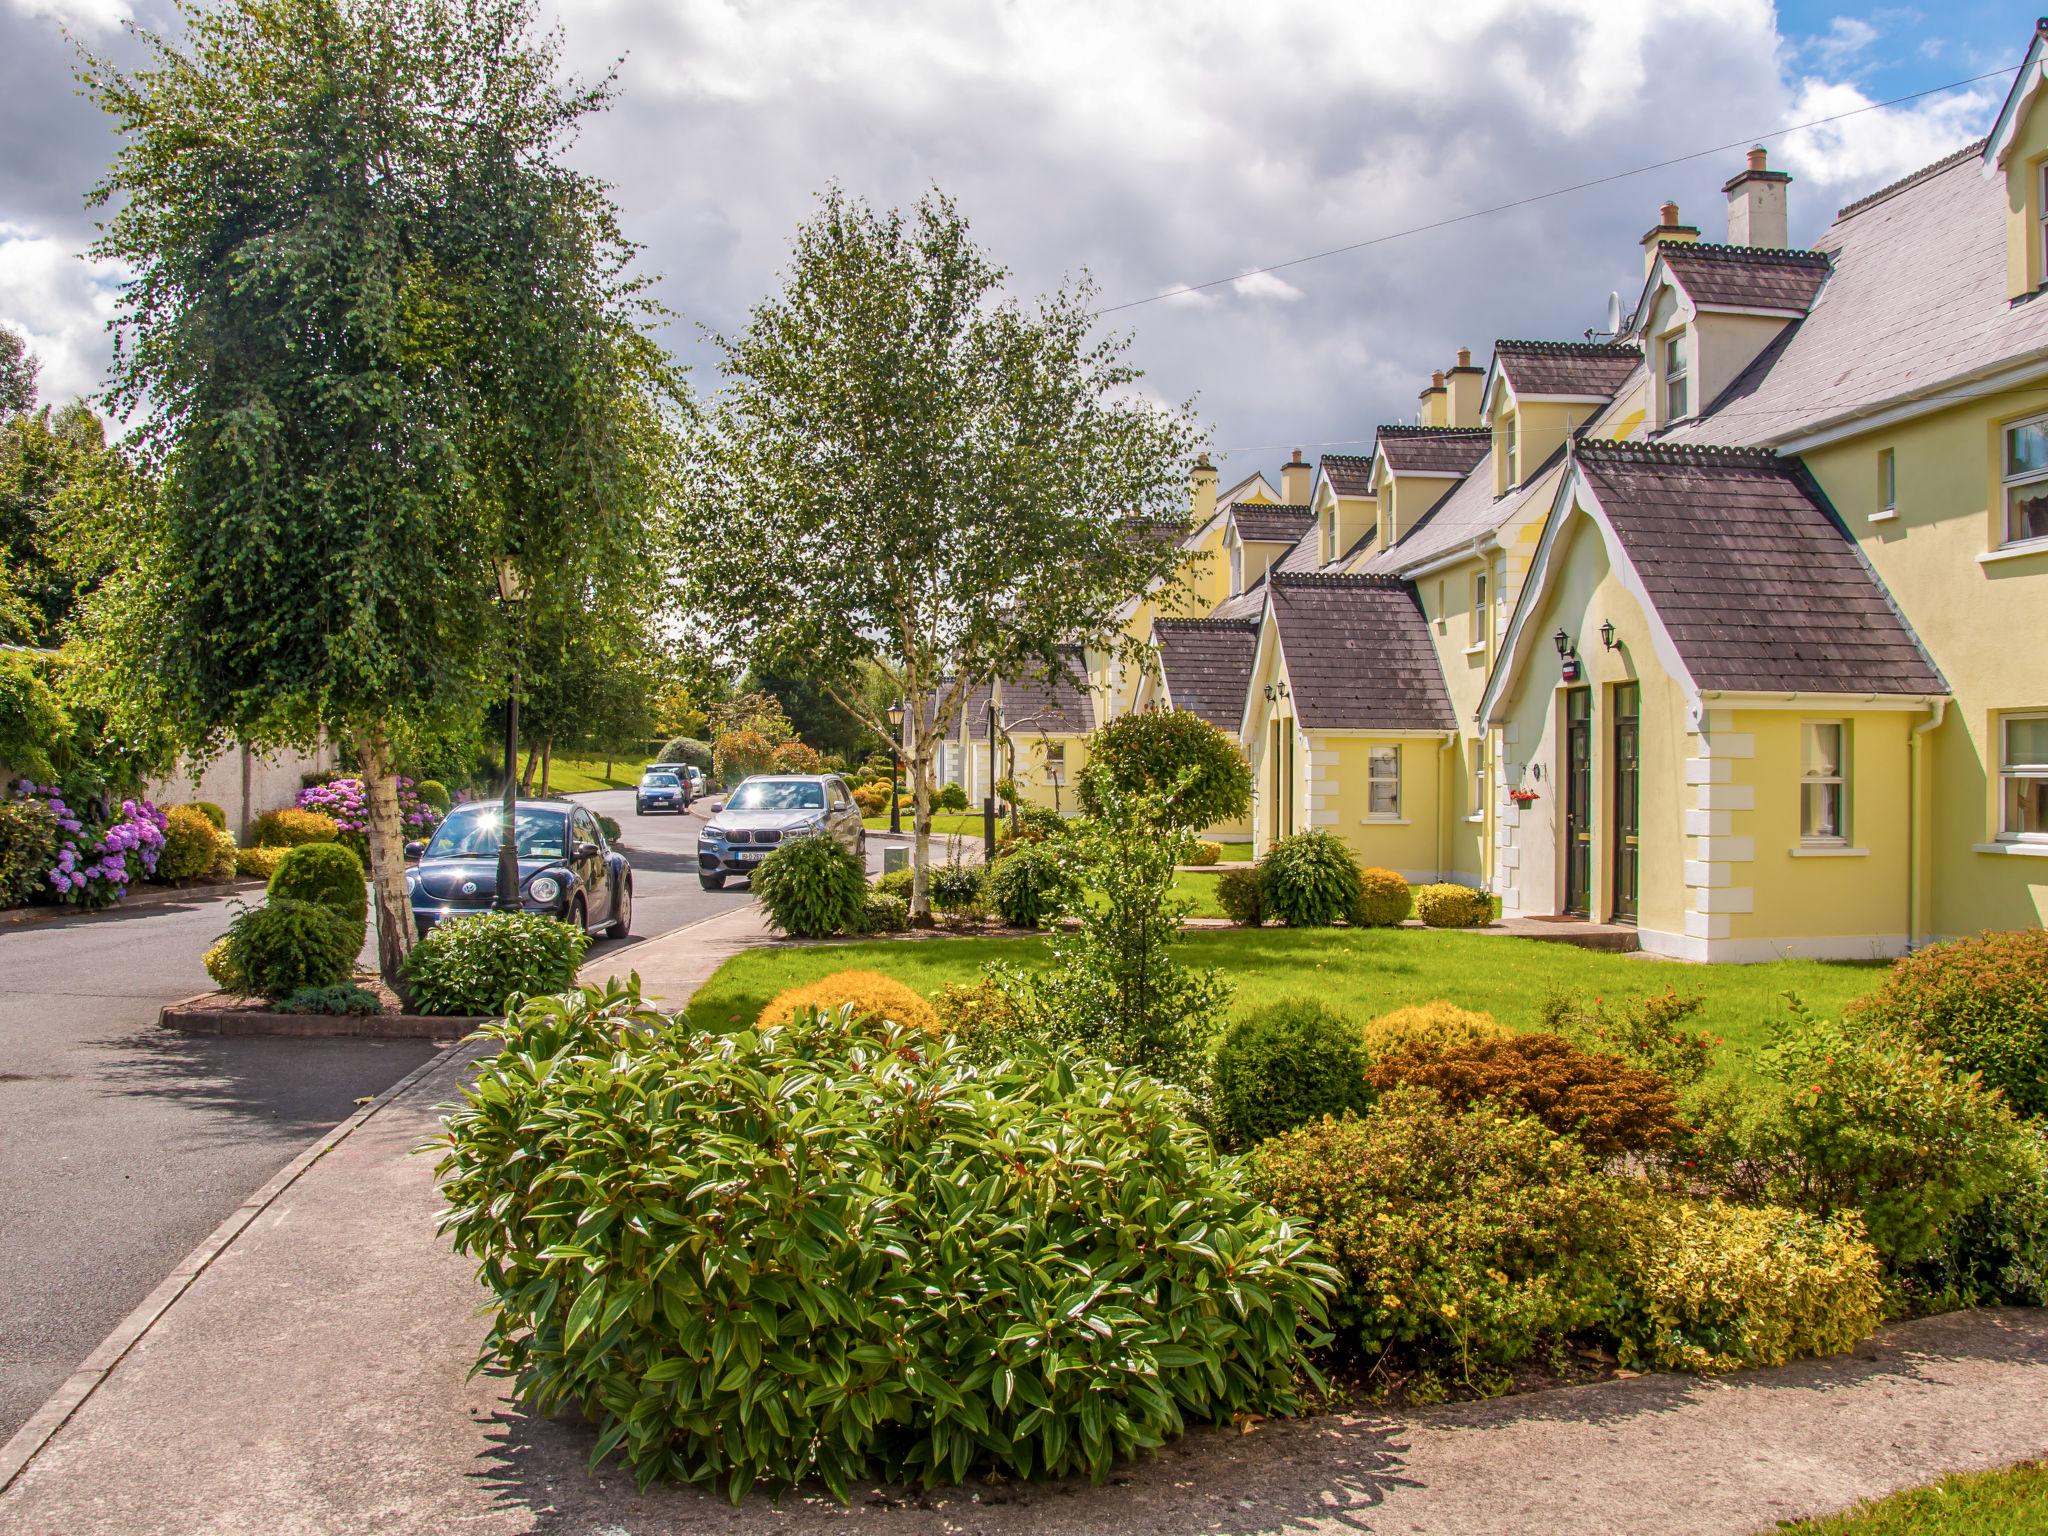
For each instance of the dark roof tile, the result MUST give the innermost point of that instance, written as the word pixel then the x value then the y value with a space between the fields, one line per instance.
pixel 1271 522
pixel 1585 369
pixel 1359 656
pixel 1350 473
pixel 1434 450
pixel 1208 666
pixel 1747 277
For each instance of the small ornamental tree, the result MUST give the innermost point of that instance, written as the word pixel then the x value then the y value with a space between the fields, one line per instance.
pixel 379 338
pixel 909 469
pixel 1162 750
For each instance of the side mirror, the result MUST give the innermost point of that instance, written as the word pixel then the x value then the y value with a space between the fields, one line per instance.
pixel 586 850
pixel 717 806
pixel 413 850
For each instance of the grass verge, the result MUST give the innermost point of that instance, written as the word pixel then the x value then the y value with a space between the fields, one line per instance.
pixel 2013 1502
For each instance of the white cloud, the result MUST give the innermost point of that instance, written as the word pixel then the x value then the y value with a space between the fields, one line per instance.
pixel 83 16
pixel 1871 148
pixel 1265 285
pixel 1845 38
pixel 62 304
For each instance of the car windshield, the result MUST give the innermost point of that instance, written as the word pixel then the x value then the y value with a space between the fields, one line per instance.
pixel 658 781
pixel 777 795
pixel 471 832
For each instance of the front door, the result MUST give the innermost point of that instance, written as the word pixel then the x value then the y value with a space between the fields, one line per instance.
pixel 1578 800
pixel 1628 735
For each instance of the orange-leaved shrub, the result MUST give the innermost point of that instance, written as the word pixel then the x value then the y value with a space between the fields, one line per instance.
pixel 874 997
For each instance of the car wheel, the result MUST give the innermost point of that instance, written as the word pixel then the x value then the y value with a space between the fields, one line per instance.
pixel 712 882
pixel 639 809
pixel 579 917
pixel 860 846
pixel 622 913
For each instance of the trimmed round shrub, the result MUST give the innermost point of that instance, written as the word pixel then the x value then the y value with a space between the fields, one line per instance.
pixel 1462 1239
pixel 482 962
pixel 1150 752
pixel 1283 1066
pixel 347 1000
pixel 1206 853
pixel 1384 899
pixel 897 882
pixel 1241 893
pixel 281 946
pixel 1608 1105
pixel 951 797
pixel 434 793
pixel 323 872
pixel 1717 1287
pixel 214 813
pixel 292 826
pixel 923 1239
pixel 1437 1026
pixel 1031 884
pixel 610 827
pixel 874 1000
pixel 259 863
pixel 191 842
pixel 955 887
pixel 882 913
pixel 1311 880
pixel 688 751
pixel 873 799
pixel 222 968
pixel 28 849
pixel 1453 906
pixel 1983 1001
pixel 812 887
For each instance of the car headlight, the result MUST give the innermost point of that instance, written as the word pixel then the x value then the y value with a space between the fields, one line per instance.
pixel 412 879
pixel 544 888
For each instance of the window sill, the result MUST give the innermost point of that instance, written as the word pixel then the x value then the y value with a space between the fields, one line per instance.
pixel 1889 515
pixel 1475 648
pixel 1402 821
pixel 2019 551
pixel 1475 820
pixel 2020 850
pixel 1828 851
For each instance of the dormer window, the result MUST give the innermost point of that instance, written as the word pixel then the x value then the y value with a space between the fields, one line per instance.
pixel 1507 449
pixel 1677 383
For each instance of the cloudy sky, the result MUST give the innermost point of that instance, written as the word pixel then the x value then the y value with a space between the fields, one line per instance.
pixel 1160 143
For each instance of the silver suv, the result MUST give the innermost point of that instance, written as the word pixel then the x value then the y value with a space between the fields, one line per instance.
pixel 767 810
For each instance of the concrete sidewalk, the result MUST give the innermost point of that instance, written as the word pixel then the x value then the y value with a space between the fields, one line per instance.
pixel 312 1377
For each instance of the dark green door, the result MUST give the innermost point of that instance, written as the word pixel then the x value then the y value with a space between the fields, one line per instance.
pixel 1628 797
pixel 1578 800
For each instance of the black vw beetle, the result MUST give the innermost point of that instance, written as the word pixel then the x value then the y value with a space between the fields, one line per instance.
pixel 566 869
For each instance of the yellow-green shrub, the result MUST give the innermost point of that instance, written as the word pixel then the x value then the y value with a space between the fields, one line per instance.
pixel 225 973
pixel 1206 852
pixel 1719 1287
pixel 190 843
pixel 1434 1026
pixel 874 997
pixel 292 826
pixel 259 863
pixel 976 1010
pixel 1453 906
pixel 1383 899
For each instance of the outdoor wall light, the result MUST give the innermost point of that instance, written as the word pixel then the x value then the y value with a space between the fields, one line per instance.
pixel 1563 642
pixel 1275 691
pixel 1607 634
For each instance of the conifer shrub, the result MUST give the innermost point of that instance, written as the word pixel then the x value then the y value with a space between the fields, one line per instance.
pixel 1430 1027
pixel 326 872
pixel 1983 1001
pixel 345 1000
pixel 1283 1066
pixel 867 999
pixel 281 946
pixel 812 887
pixel 1384 899
pixel 938 1277
pixel 290 827
pixel 1448 905
pixel 1311 880
pixel 191 843
pixel 1241 893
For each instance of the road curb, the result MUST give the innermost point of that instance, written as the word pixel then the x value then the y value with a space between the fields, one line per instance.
pixel 42 1425
pixel 142 900
pixel 215 1013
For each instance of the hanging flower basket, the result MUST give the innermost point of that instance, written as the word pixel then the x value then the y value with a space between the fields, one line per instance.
pixel 1523 797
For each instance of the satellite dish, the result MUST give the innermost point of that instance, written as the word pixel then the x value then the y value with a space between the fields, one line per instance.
pixel 1613 314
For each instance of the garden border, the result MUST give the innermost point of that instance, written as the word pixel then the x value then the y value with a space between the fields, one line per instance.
pixel 148 896
pixel 194 1016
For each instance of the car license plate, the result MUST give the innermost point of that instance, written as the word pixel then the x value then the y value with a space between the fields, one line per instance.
pixel 746 856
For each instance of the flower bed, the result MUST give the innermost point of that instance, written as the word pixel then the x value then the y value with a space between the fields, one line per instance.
pixel 95 863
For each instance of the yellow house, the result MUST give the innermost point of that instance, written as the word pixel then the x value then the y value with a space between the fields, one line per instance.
pixel 1040 729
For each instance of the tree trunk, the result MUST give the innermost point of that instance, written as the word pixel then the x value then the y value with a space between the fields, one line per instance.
pixel 921 847
pixel 547 764
pixel 386 838
pixel 526 778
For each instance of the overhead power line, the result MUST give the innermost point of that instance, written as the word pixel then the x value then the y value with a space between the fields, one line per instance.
pixel 1554 192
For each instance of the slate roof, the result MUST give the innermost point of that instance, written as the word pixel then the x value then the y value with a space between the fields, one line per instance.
pixel 1359 656
pixel 1350 473
pixel 1468 511
pixel 1760 588
pixel 1272 522
pixel 1434 450
pixel 1918 298
pixel 1747 277
pixel 1248 604
pixel 1305 557
pixel 1061 707
pixel 1208 666
pixel 1583 369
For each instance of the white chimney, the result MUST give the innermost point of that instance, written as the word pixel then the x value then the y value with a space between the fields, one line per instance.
pixel 1756 205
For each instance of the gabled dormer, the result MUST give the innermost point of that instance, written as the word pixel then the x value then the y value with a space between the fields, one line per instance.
pixel 1414 467
pixel 1538 392
pixel 2018 151
pixel 1347 515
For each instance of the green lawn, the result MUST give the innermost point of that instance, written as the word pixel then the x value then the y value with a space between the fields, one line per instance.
pixel 2009 1503
pixel 576 775
pixel 1236 853
pixel 1362 972
pixel 958 823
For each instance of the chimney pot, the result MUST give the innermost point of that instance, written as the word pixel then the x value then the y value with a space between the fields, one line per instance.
pixel 1464 357
pixel 1436 379
pixel 1297 455
pixel 1202 461
pixel 1759 158
pixel 1669 213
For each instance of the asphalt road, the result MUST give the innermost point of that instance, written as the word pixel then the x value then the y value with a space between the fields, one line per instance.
pixel 122 1145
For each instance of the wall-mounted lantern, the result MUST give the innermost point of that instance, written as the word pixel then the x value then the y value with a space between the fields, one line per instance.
pixel 1607 634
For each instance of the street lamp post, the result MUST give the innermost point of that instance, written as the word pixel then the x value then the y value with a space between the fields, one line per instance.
pixel 896 768
pixel 988 800
pixel 506 898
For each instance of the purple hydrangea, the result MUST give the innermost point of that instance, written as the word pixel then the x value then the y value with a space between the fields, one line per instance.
pixel 95 864
pixel 343 800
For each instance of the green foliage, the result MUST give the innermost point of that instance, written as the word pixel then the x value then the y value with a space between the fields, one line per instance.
pixel 1035 824
pixel 688 751
pixel 981 1013
pixel 290 827
pixel 1312 880
pixel 1283 1066
pixel 1710 1286
pixel 939 1277
pixel 216 814
pixel 1429 1028
pixel 1384 899
pixel 951 797
pixel 1609 1106
pixel 28 848
pixel 434 793
pixel 1982 1001
pixel 812 887
pixel 1462 1238
pixel 483 962
pixel 1205 853
pixel 191 842
pixel 32 718
pixel 881 912
pixel 221 967
pixel 1448 905
pixel 1113 988
pixel 259 863
pixel 1200 772
pixel 1031 884
pixel 896 882
pixel 610 827
pixel 1998 1251
pixel 281 946
pixel 1864 1120
pixel 325 872
pixel 1648 1031
pixel 347 1000
pixel 957 887
pixel 1241 893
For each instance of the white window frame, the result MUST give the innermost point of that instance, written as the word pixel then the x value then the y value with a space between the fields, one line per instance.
pixel 1481 614
pixel 2010 772
pixel 1674 352
pixel 1375 759
pixel 1508 443
pixel 1839 780
pixel 1478 811
pixel 1887 481
pixel 1055 762
pixel 2009 481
